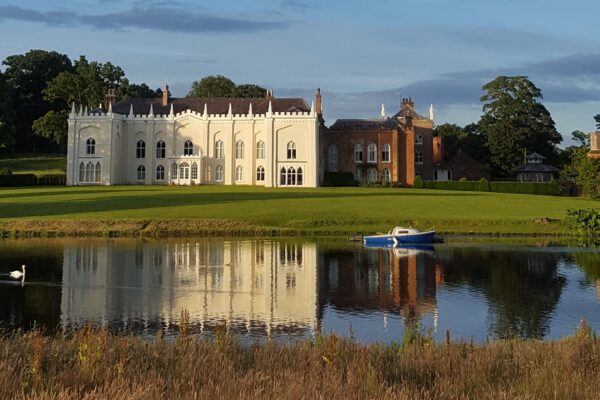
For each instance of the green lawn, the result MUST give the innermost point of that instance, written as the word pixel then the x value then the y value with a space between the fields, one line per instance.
pixel 38 164
pixel 305 211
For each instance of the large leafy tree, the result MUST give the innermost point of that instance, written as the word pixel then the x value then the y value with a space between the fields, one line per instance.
pixel 213 86
pixel 469 139
pixel 220 86
pixel 142 90
pixel 7 133
pixel 27 76
pixel 250 91
pixel 514 120
pixel 85 86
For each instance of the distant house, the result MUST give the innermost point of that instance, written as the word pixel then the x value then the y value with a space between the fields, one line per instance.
pixel 389 150
pixel 460 166
pixel 594 145
pixel 267 141
pixel 534 170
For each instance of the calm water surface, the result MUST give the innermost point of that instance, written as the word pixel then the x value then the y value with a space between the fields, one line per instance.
pixel 296 288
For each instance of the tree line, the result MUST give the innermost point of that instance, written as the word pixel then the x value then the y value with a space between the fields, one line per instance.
pixel 38 88
pixel 514 122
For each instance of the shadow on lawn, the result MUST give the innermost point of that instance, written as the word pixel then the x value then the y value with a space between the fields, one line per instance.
pixel 180 198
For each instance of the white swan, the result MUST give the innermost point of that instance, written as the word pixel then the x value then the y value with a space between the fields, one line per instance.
pixel 18 274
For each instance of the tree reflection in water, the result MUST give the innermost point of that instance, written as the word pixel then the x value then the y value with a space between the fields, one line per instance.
pixel 522 287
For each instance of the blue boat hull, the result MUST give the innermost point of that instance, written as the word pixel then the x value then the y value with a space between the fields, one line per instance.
pixel 388 240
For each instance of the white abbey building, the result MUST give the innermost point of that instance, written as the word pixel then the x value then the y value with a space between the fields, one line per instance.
pixel 266 141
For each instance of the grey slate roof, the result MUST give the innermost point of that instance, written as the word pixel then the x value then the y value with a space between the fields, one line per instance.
pixel 536 168
pixel 214 105
pixel 363 124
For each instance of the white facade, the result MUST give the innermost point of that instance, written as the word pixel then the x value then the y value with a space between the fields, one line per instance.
pixel 190 147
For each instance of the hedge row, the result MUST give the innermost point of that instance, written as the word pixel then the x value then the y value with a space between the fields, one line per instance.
pixel 473 186
pixel 546 188
pixel 32 180
pixel 339 179
pixel 551 188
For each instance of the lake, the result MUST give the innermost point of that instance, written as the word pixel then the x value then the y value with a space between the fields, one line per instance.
pixel 295 288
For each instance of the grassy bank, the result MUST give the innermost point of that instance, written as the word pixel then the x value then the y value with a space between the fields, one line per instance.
pixel 37 164
pixel 97 365
pixel 245 210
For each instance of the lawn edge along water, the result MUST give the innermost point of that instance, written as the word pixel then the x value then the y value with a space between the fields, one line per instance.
pixel 164 211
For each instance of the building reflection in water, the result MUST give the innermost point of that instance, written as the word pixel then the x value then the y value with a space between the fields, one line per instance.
pixel 262 286
pixel 396 280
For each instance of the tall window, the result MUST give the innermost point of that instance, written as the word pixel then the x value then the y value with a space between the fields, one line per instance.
pixel 332 157
pixel 385 153
pixel 358 153
pixel 372 153
pixel 385 176
pixel 160 173
pixel 358 174
pixel 282 176
pixel 140 150
pixel 299 180
pixel 194 171
pixel 372 175
pixel 90 146
pixel 418 138
pixel 188 148
pixel 161 149
pixel 219 151
pixel 239 150
pixel 98 172
pixel 141 173
pixel 291 151
pixel 209 174
pixel 260 150
pixel 184 171
pixel 89 172
pixel 239 173
pixel 82 172
pixel 219 173
pixel 174 171
pixel 418 156
pixel 260 174
pixel 291 176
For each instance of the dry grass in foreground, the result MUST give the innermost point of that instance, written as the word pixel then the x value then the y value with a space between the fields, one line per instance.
pixel 94 364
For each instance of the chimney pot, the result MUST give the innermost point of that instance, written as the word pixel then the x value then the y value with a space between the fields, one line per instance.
pixel 165 95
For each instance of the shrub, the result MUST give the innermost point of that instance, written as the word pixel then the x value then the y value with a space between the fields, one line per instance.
pixel 52 179
pixel 484 185
pixel 472 186
pixel 584 221
pixel 418 183
pixel 5 171
pixel 339 179
pixel 551 188
pixel 18 180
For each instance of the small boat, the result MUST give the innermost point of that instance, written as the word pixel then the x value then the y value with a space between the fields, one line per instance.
pixel 400 235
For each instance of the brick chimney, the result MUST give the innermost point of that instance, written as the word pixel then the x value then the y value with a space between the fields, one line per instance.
pixel 318 102
pixel 408 103
pixel 165 95
pixel 110 98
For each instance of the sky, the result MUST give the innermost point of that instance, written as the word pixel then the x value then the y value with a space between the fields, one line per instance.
pixel 362 54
